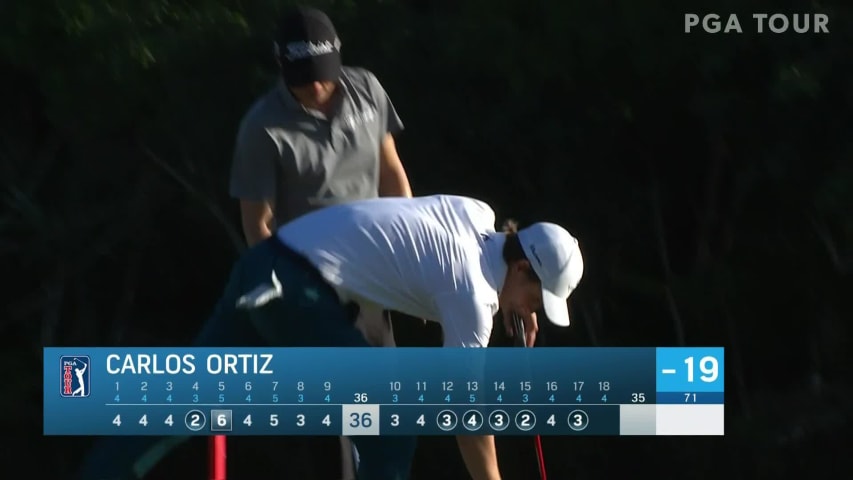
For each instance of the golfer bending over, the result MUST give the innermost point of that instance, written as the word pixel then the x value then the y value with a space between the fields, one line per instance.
pixel 435 257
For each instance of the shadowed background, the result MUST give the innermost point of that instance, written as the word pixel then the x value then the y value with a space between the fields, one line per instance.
pixel 708 177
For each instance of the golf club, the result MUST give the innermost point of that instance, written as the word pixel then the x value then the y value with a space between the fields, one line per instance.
pixel 521 340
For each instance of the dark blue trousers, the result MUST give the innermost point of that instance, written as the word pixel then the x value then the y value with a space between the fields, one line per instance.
pixel 308 314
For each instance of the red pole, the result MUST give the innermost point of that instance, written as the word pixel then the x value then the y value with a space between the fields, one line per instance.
pixel 216 453
pixel 541 458
pixel 521 339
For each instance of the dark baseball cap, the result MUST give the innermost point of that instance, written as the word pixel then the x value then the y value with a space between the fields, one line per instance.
pixel 307 47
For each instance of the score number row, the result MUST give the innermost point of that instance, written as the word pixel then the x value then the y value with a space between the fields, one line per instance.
pixel 367 420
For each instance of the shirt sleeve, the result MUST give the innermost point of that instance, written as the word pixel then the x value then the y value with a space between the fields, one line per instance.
pixel 387 112
pixel 466 321
pixel 485 217
pixel 253 171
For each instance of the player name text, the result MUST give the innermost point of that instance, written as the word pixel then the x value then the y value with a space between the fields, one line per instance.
pixel 762 22
pixel 174 364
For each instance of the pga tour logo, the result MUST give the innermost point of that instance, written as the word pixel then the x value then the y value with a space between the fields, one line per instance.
pixel 761 23
pixel 74 371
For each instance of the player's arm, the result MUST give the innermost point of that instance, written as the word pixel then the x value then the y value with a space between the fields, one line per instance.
pixel 257 220
pixel 480 456
pixel 467 323
pixel 393 181
pixel 254 181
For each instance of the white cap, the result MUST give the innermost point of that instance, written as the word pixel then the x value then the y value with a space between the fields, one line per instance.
pixel 556 258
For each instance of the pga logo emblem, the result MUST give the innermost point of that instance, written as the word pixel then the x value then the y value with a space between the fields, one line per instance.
pixel 74 374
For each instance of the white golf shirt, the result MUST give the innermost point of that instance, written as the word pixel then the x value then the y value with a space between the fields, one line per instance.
pixel 436 258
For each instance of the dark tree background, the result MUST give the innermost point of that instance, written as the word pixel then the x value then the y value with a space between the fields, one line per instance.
pixel 708 177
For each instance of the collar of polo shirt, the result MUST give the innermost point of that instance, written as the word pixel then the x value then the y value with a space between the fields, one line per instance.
pixel 290 101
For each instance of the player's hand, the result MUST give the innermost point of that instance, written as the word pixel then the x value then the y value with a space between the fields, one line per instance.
pixel 531 326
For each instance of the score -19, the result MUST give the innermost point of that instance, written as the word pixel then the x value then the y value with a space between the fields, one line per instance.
pixel 708 366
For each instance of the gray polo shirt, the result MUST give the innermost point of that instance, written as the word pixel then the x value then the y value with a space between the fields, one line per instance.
pixel 299 160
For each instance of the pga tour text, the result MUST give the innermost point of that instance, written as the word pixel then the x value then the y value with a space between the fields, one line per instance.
pixel 758 22
pixel 174 364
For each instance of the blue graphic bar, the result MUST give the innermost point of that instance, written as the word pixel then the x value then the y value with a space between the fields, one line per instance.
pixel 369 391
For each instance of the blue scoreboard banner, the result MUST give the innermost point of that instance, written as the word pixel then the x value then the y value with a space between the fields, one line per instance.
pixel 383 391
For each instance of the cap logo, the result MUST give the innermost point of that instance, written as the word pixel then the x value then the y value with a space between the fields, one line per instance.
pixel 535 255
pixel 303 49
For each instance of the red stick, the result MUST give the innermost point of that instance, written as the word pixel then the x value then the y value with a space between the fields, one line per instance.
pixel 542 473
pixel 216 452
pixel 521 340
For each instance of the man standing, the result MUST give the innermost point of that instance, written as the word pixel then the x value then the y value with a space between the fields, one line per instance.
pixel 323 135
pixel 435 257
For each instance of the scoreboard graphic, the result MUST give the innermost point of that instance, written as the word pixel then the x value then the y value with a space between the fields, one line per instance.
pixel 384 391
